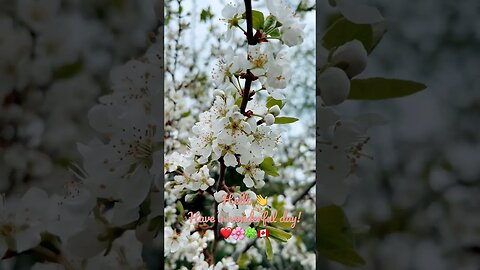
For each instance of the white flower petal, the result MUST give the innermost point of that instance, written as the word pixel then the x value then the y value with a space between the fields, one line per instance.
pixel 358 13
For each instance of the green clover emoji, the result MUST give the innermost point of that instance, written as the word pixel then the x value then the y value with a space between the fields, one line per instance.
pixel 251 232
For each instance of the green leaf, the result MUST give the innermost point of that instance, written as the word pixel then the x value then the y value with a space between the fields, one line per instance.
pixel 285 120
pixel 268 249
pixel 278 234
pixel 279 206
pixel 185 114
pixel 282 225
pixel 180 208
pixel 243 261
pixel 257 19
pixel 68 70
pixel 335 238
pixel 343 31
pixel 268 166
pixel 270 23
pixel 378 31
pixel 275 33
pixel 382 88
pixel 238 102
pixel 181 212
pixel 272 102
pixel 206 15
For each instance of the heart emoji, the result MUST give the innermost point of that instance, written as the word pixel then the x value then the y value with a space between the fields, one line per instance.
pixel 225 232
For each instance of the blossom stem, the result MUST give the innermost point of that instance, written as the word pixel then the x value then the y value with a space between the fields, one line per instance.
pixel 241 28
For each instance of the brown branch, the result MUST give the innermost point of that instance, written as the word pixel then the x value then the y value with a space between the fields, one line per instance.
pixel 249 18
pixel 216 232
pixel 246 94
pixel 251 41
pixel 249 78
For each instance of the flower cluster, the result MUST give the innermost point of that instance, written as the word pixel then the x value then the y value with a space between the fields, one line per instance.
pixel 242 137
pixel 238 132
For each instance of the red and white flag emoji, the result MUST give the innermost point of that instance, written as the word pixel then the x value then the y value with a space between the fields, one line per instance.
pixel 262 233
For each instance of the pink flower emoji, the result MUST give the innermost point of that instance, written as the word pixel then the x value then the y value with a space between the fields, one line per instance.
pixel 238 233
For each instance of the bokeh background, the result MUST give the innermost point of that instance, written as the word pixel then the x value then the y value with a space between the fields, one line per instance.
pixel 55 61
pixel 417 204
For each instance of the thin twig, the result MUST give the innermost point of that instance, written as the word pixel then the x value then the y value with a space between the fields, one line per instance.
pixel 305 192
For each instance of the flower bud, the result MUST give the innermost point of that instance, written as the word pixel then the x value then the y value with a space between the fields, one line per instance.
pixel 220 195
pixel 275 110
pixel 269 119
pixel 351 57
pixel 189 197
pixel 218 92
pixel 334 86
pixel 292 33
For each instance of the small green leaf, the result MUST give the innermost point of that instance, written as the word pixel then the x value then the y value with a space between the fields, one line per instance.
pixel 185 114
pixel 68 70
pixel 268 249
pixel 285 120
pixel 257 19
pixel 270 23
pixel 378 30
pixel 206 15
pixel 278 234
pixel 272 102
pixel 283 225
pixel 343 31
pixel 238 102
pixel 181 212
pixel 335 238
pixel 180 208
pixel 275 33
pixel 268 166
pixel 279 206
pixel 382 88
pixel 243 261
